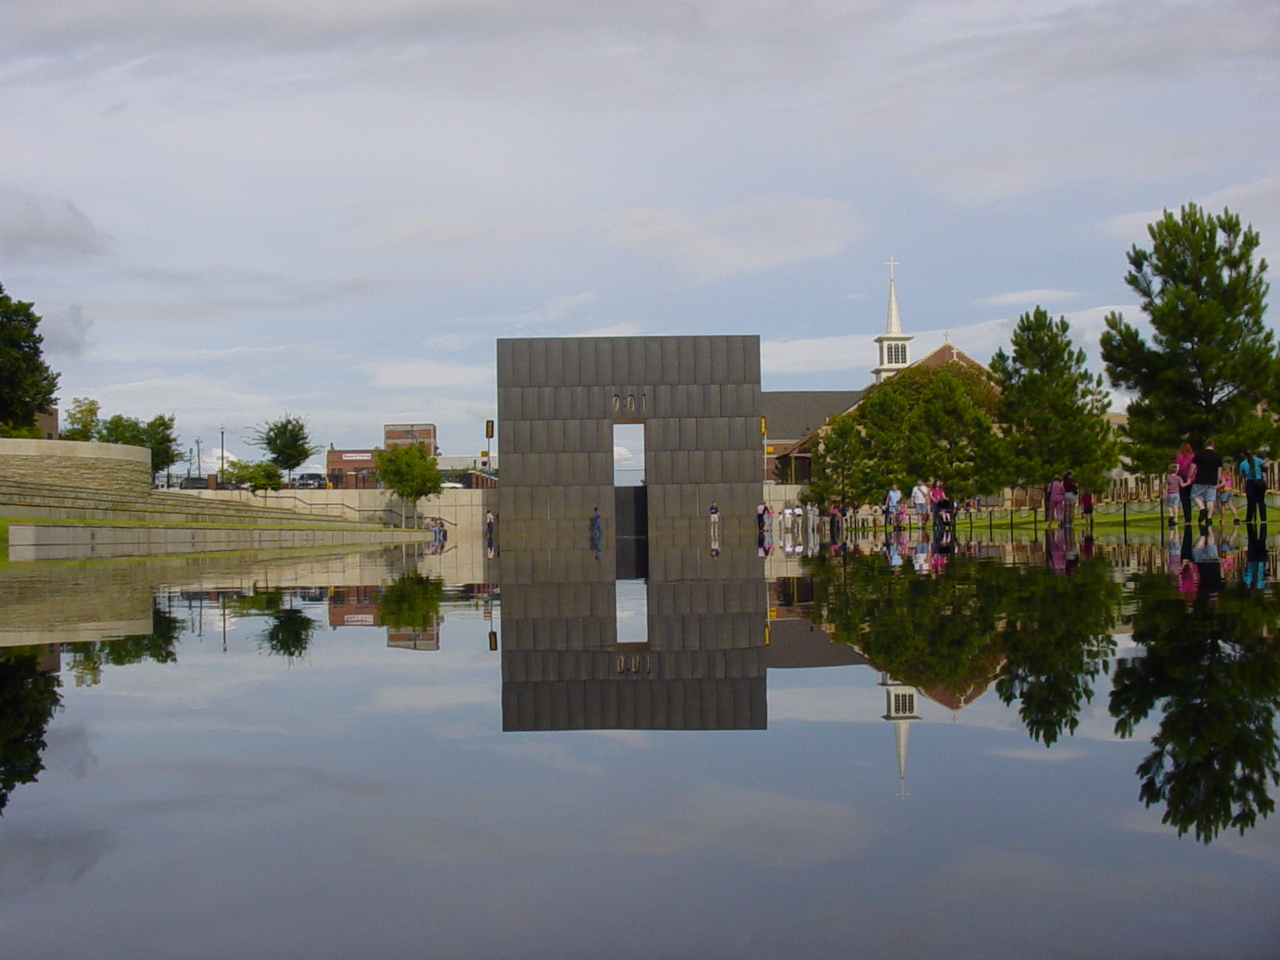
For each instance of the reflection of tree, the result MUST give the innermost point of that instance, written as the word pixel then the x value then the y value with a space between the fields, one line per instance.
pixel 411 602
pixel 1217 669
pixel 290 631
pixel 87 659
pixel 1042 636
pixel 28 700
pixel 1056 639
pixel 927 632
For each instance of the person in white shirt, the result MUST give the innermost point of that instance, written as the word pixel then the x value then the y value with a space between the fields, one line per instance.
pixel 920 500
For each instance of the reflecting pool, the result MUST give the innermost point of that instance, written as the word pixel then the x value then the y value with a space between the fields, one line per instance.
pixel 898 748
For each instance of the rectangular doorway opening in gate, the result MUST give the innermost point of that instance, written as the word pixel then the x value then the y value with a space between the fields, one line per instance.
pixel 631 503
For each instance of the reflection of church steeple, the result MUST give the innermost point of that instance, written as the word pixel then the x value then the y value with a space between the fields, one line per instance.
pixel 900 710
pixel 893 342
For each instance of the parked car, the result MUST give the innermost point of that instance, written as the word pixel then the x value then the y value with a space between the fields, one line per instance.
pixel 193 483
pixel 310 481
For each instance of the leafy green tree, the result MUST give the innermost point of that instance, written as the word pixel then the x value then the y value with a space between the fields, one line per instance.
pixel 925 422
pixel 410 472
pixel 411 602
pixel 121 429
pixel 28 700
pixel 27 384
pixel 831 479
pixel 81 420
pixel 1052 410
pixel 30 432
pixel 156 435
pixel 287 442
pixel 1212 360
pixel 256 475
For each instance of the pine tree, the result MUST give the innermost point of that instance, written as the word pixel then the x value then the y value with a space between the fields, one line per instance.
pixel 1211 365
pixel 1052 409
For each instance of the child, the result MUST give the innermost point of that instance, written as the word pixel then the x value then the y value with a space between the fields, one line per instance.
pixel 1173 485
pixel 1086 507
pixel 1227 495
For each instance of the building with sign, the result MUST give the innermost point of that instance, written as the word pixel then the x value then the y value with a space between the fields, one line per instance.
pixel 350 469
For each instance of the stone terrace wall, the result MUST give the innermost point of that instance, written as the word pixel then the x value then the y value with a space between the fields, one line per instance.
pixel 107 467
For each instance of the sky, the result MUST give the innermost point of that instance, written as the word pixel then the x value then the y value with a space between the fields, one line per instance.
pixel 236 209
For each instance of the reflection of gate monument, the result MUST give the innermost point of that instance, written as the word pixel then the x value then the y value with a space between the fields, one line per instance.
pixel 702 666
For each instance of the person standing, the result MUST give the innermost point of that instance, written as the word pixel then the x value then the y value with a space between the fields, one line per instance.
pixel 1255 487
pixel 891 501
pixel 1173 487
pixel 1227 495
pixel 1070 494
pixel 1185 459
pixel 1053 500
pixel 920 500
pixel 1204 482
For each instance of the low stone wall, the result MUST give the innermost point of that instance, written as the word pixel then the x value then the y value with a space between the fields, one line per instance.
pixel 457 507
pixel 28 542
pixel 104 467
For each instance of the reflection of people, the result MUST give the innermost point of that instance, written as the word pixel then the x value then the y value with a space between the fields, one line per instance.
pixel 1255 567
pixel 1208 566
pixel 597 531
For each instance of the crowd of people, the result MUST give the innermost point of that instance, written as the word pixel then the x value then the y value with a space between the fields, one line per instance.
pixel 1204 481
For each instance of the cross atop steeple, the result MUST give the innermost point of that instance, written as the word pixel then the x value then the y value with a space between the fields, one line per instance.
pixel 891 263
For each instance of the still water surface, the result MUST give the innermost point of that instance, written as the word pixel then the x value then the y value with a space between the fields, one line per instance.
pixel 350 757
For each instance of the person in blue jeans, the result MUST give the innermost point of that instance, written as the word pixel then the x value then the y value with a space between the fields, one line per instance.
pixel 1255 487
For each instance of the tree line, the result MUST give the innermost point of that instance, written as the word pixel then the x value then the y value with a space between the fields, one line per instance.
pixel 1209 369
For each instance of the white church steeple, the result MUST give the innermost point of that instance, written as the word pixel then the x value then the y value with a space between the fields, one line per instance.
pixel 900 710
pixel 894 353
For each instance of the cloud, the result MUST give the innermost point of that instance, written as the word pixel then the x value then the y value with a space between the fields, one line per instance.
pixel 753 825
pixel 65 332
pixel 854 352
pixel 448 231
pixel 1256 203
pixel 428 698
pixel 29 863
pixel 1027 298
pixel 189 392
pixel 424 374
pixel 751 235
pixel 1041 754
pixel 32 226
